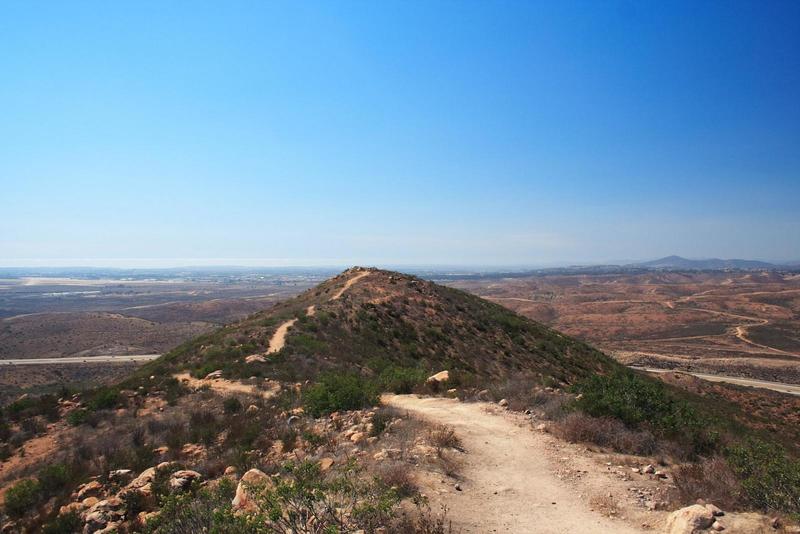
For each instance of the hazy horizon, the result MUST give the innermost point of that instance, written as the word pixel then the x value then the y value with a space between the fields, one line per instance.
pixel 399 133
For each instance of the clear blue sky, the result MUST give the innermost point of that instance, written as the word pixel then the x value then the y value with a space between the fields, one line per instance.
pixel 397 133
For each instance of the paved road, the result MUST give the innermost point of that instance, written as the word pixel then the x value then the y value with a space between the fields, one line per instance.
pixel 81 359
pixel 792 389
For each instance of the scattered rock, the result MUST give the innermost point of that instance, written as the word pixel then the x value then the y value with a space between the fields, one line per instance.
pixel 689 520
pixel 181 480
pixel 325 464
pixel 441 376
pixel 253 478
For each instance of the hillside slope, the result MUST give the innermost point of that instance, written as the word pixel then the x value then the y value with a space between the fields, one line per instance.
pixel 366 319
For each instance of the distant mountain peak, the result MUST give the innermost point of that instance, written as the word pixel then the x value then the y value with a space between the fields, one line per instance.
pixel 679 262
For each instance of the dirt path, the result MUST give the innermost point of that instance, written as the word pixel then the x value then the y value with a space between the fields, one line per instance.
pixel 279 337
pixel 220 385
pixel 349 283
pixel 509 485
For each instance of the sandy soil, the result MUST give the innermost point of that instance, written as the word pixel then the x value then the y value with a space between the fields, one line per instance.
pixel 510 483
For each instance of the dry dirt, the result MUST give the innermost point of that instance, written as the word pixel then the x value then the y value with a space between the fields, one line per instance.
pixel 223 386
pixel 744 324
pixel 516 479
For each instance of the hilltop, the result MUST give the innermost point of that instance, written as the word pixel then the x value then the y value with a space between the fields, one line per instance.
pixel 364 320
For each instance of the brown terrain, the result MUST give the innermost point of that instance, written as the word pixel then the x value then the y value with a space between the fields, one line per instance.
pixel 494 435
pixel 731 323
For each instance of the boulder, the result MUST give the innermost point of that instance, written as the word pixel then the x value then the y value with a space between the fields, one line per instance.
pixel 357 437
pixel 120 475
pixel 90 489
pixel 503 403
pixel 689 520
pixel 214 375
pixel 441 376
pixel 255 478
pixel 325 464
pixel 255 358
pixel 181 480
pixel 231 470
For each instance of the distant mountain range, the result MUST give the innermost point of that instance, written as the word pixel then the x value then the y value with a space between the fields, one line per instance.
pixel 677 262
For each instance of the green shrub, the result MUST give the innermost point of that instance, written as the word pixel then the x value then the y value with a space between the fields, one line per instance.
pixel 21 497
pixel 770 480
pixel 642 402
pixel 232 405
pixel 78 416
pixel 104 399
pixel 53 478
pixel 401 379
pixel 339 391
pixel 64 524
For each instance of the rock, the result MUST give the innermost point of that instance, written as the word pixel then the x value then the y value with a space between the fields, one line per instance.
pixel 541 427
pixel 255 358
pixel 120 475
pixel 8 527
pixel 143 483
pixel 503 403
pixel 714 510
pixel 292 419
pixel 89 502
pixel 716 525
pixel 649 469
pixel 689 520
pixel 251 410
pixel 357 437
pixel 75 507
pixel 452 391
pixel 183 479
pixel 90 489
pixel 251 479
pixel 483 394
pixel 325 464
pixel 457 487
pixel 214 375
pixel 660 474
pixel 231 470
pixel 441 376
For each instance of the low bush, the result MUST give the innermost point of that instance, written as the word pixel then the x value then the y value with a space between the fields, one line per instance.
pixel 232 405
pixel 401 380
pixel 21 497
pixel 578 427
pixel 54 478
pixel 104 399
pixel 712 480
pixel 339 392
pixel 64 524
pixel 444 437
pixel 381 419
pixel 770 480
pixel 643 402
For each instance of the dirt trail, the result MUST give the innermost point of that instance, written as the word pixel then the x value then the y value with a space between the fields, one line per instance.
pixel 220 385
pixel 279 337
pixel 349 283
pixel 509 485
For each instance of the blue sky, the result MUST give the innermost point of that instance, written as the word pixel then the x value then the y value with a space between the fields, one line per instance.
pixel 491 133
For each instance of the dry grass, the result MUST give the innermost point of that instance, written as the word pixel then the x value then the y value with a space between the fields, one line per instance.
pixel 605 432
pixel 444 437
pixel 712 480
pixel 606 504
